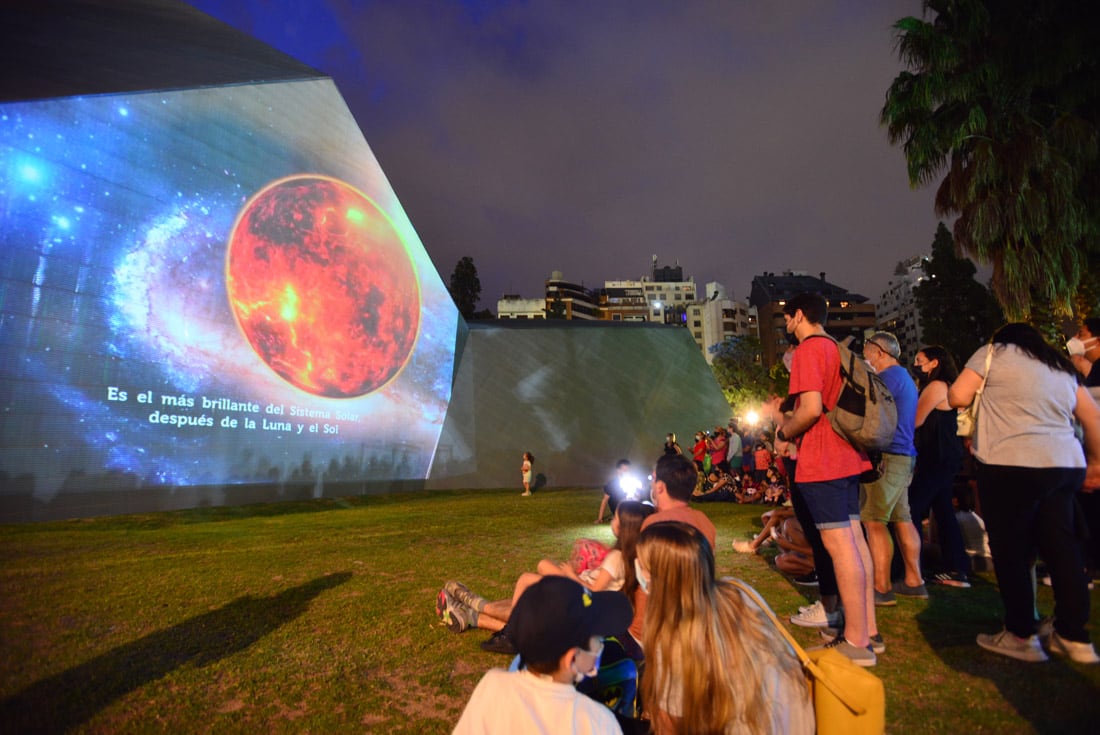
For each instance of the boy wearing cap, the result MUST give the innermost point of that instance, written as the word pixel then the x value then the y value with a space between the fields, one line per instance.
pixel 557 627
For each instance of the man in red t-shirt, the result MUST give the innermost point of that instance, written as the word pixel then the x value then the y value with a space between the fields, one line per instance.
pixel 828 472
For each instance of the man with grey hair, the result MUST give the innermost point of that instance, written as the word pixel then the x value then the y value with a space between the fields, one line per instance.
pixel 885 499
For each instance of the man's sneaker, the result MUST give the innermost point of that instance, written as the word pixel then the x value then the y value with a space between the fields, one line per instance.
pixel 462 593
pixel 815 617
pixel 878 644
pixel 498 643
pixel 451 612
pixel 885 599
pixel 1082 653
pixel 744 547
pixel 859 656
pixel 920 591
pixel 1007 644
pixel 807 580
pixel 952 579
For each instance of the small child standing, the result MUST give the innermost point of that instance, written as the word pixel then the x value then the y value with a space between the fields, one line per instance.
pixel 525 469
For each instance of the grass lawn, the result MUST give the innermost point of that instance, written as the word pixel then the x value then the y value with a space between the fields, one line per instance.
pixel 319 617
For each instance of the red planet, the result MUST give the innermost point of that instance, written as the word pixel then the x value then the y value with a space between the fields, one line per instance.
pixel 322 286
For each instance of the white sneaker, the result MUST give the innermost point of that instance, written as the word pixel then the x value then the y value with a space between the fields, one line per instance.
pixel 1007 644
pixel 815 617
pixel 1082 653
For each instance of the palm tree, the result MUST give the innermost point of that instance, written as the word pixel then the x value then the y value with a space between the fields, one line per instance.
pixel 1001 97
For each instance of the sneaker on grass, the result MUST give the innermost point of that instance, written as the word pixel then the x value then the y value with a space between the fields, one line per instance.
pixel 807 580
pixel 919 591
pixel 453 613
pixel 878 643
pixel 859 656
pixel 1007 644
pixel 1082 653
pixel 744 547
pixel 462 593
pixel 815 617
pixel 952 579
pixel 885 599
pixel 498 643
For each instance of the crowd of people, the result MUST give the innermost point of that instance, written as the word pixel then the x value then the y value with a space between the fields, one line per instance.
pixel 704 656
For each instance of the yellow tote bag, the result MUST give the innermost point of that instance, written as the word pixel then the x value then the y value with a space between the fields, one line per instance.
pixel 848 699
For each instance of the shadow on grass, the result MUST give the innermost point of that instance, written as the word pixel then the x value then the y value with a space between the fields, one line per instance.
pixel 1052 697
pixel 72 697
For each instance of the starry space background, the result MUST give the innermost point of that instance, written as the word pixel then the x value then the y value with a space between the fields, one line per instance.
pixel 115 212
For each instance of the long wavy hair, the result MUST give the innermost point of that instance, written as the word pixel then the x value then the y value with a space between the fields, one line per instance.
pixel 704 640
pixel 945 369
pixel 631 514
pixel 1030 341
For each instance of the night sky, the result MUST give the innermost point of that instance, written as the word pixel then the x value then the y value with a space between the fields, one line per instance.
pixel 731 137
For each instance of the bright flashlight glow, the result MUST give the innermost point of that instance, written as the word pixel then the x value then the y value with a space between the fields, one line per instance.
pixel 752 417
pixel 630 486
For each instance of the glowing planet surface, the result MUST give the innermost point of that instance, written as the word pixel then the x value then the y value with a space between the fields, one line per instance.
pixel 323 287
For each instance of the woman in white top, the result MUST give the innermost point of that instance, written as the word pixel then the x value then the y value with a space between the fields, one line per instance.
pixel 1029 465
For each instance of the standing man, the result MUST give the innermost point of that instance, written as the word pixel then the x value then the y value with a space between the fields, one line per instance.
pixel 828 472
pixel 886 500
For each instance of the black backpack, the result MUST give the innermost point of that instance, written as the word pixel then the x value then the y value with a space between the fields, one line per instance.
pixel 865 414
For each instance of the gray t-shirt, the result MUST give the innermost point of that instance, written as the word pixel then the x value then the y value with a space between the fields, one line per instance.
pixel 1025 418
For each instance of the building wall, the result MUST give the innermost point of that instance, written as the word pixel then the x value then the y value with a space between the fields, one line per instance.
pixel 897 309
pixel 513 307
pixel 578 396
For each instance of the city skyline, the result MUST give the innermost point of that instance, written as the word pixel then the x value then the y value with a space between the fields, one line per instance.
pixel 733 140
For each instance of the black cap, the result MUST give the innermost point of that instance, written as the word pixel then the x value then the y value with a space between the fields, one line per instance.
pixel 556 614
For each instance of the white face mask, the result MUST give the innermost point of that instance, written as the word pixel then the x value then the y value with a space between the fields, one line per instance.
pixel 643 581
pixel 1077 346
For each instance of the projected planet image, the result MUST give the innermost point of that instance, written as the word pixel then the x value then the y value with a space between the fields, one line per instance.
pixel 323 287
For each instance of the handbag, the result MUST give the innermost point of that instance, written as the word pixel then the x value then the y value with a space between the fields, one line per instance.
pixel 967 420
pixel 848 699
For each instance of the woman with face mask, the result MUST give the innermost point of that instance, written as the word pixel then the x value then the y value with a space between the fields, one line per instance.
pixel 714 663
pixel 939 459
pixel 1028 466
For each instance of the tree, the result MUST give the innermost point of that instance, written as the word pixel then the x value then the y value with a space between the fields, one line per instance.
pixel 1002 97
pixel 465 287
pixel 739 369
pixel 956 311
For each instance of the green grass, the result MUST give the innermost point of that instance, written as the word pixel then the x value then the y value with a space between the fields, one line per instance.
pixel 319 617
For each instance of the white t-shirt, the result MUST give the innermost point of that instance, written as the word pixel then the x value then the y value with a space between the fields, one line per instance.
pixel 613 563
pixel 1025 418
pixel 513 702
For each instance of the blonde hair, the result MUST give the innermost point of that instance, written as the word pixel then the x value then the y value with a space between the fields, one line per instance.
pixel 702 639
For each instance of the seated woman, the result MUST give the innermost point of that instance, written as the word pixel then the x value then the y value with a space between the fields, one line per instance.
pixel 718 486
pixel 714 663
pixel 460 608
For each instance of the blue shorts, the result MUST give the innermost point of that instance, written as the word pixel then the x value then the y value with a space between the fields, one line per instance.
pixel 832 503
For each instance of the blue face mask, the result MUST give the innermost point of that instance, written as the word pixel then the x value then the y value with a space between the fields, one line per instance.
pixel 643 581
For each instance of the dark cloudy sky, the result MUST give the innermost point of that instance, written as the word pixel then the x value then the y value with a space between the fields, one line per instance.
pixel 734 137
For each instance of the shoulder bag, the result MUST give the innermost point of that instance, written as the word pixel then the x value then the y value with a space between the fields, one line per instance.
pixel 848 699
pixel 968 416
